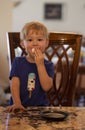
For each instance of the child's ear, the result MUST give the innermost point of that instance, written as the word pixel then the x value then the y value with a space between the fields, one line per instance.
pixel 22 44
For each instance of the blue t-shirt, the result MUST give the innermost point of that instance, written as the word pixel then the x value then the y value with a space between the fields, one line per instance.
pixel 21 68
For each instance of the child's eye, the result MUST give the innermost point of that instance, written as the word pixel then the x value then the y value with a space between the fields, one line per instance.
pixel 40 39
pixel 29 40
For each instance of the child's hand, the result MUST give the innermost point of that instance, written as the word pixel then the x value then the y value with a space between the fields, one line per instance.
pixel 39 57
pixel 14 108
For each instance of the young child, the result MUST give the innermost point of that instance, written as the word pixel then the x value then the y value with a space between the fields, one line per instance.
pixel 32 75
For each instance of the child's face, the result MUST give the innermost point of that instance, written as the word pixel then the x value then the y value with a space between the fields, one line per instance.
pixel 35 40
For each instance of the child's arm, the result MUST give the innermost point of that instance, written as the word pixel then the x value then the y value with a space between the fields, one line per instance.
pixel 15 91
pixel 45 80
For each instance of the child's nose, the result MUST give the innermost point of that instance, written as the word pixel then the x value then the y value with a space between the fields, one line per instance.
pixel 35 42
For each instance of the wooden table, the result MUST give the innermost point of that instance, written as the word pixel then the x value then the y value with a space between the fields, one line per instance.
pixel 31 119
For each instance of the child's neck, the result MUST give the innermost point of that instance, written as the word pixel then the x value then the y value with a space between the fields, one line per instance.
pixel 30 59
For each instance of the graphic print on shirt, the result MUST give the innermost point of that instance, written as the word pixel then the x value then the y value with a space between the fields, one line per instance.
pixel 31 83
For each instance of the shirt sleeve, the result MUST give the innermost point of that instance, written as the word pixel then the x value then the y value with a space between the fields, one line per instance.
pixel 14 69
pixel 50 69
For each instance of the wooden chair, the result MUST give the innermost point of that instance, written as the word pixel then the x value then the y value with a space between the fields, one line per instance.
pixel 63 51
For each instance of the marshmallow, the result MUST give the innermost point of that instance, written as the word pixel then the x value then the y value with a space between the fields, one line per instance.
pixel 33 50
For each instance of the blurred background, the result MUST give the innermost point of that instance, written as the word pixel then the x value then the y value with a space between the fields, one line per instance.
pixel 15 13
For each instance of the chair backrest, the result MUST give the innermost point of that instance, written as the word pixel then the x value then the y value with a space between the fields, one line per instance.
pixel 63 51
pixel 14 48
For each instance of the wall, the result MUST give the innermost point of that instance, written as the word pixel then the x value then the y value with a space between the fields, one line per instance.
pixel 73 15
pixel 5 25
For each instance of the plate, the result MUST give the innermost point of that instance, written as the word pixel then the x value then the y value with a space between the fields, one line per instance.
pixel 54 115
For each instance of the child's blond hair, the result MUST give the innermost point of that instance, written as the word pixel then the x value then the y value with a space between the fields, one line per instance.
pixel 36 26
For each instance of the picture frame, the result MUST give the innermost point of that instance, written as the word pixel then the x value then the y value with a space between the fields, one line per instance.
pixel 53 11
